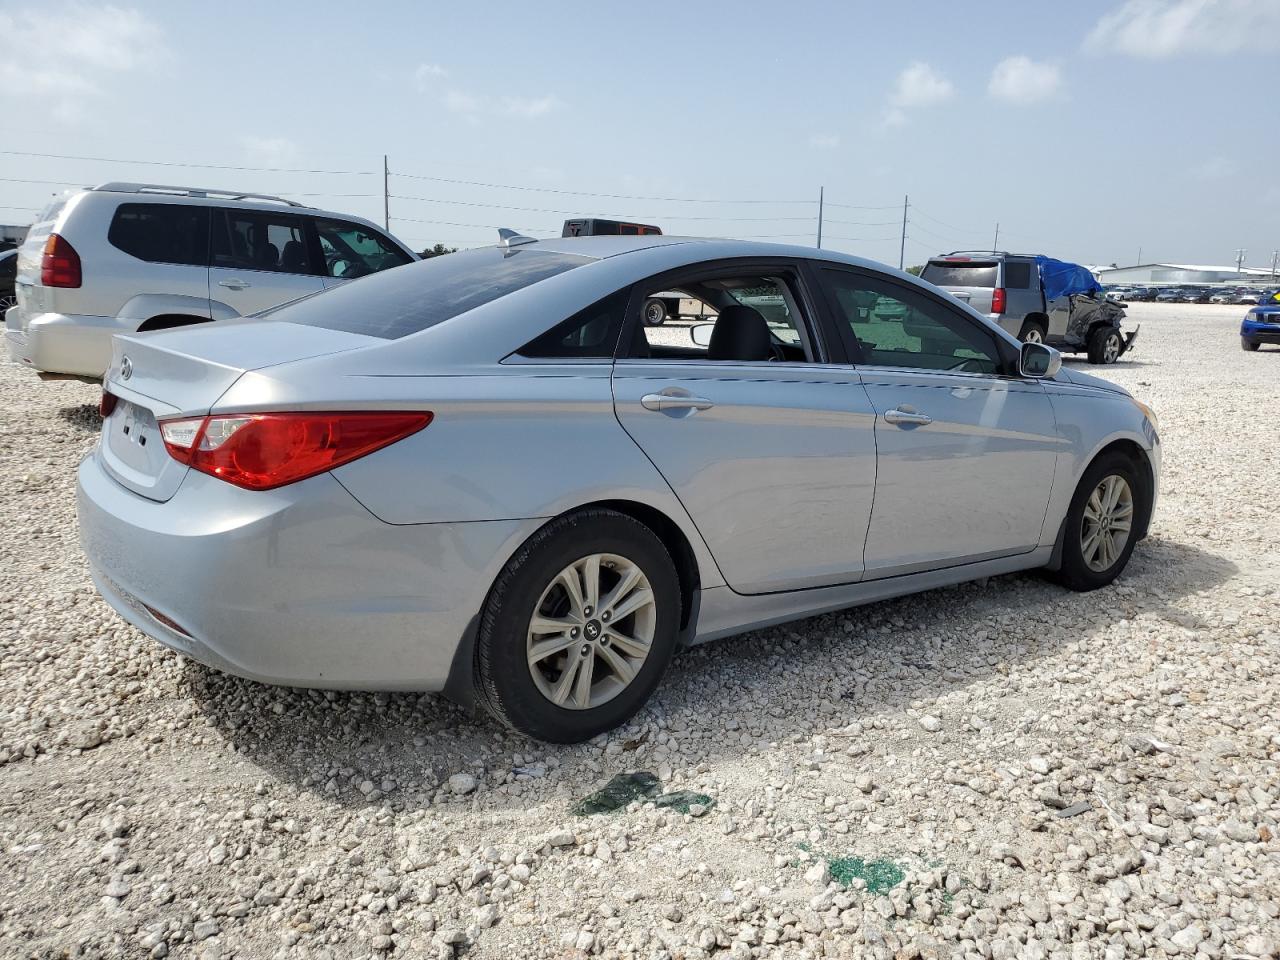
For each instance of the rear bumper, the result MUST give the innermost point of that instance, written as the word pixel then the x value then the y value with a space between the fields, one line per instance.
pixel 299 586
pixel 63 343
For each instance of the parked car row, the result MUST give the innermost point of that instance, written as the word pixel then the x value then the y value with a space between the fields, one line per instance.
pixel 1188 294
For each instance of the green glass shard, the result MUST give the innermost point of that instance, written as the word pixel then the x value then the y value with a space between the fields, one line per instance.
pixel 880 876
pixel 617 793
pixel 681 800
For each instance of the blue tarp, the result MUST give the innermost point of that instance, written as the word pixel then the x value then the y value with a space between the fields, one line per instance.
pixel 1058 277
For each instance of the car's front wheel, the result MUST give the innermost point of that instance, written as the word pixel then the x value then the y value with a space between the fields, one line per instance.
pixel 1249 345
pixel 1105 345
pixel 1102 523
pixel 579 627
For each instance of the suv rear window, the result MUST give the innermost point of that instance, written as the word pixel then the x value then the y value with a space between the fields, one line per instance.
pixel 396 303
pixel 162 233
pixel 949 273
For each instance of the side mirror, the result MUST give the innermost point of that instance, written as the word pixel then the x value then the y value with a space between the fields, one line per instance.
pixel 700 334
pixel 1038 361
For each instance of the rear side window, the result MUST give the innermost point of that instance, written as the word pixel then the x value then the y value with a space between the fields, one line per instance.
pixel 396 303
pixel 1017 276
pixel 589 334
pixel 947 273
pixel 162 233
pixel 257 240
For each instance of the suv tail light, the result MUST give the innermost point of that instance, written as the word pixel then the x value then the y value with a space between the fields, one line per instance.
pixel 261 451
pixel 997 300
pixel 60 265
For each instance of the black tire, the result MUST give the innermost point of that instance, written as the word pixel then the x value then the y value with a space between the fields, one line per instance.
pixel 1075 573
pixel 504 682
pixel 1098 344
pixel 1249 345
pixel 654 313
pixel 1030 326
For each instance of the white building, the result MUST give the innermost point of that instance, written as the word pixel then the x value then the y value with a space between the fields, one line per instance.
pixel 1157 273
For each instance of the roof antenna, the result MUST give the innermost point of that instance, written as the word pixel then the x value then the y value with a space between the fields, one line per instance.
pixel 509 238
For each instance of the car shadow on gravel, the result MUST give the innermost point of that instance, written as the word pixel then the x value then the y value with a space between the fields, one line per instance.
pixel 358 749
pixel 83 417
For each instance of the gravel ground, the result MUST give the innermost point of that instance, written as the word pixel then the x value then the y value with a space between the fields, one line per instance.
pixel 1001 769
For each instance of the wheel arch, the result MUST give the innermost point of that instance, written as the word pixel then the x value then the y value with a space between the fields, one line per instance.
pixel 170 321
pixel 1140 457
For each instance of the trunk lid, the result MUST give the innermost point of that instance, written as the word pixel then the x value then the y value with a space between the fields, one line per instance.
pixel 182 373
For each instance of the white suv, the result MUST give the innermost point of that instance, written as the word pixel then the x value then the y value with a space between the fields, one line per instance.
pixel 129 257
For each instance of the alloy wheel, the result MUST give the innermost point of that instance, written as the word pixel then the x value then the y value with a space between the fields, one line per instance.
pixel 1111 349
pixel 591 631
pixel 1107 523
pixel 1033 336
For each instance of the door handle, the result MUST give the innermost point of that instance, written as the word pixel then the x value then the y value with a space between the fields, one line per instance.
pixel 666 401
pixel 234 284
pixel 907 418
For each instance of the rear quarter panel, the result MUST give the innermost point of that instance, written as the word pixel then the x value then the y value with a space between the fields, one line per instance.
pixel 515 441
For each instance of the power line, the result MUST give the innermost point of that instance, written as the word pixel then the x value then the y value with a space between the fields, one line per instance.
pixel 863 223
pixel 937 221
pixel 861 239
pixel 624 216
pixel 193 166
pixel 50 183
pixel 584 193
pixel 473 226
pixel 850 206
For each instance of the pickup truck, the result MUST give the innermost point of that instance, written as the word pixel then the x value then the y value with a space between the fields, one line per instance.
pixel 1037 299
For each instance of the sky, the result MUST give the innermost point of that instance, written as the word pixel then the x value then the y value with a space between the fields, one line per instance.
pixel 1097 130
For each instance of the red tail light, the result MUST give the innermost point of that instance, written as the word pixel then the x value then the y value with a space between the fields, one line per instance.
pixel 107 404
pixel 260 451
pixel 997 300
pixel 60 265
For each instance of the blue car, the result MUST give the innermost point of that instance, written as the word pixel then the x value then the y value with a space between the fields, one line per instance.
pixel 1261 325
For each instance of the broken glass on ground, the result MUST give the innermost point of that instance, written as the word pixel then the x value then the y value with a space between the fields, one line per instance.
pixel 626 788
pixel 878 876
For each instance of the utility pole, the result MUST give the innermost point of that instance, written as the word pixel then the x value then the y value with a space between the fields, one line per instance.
pixel 386 195
pixel 995 243
pixel 1138 262
pixel 1240 252
pixel 902 247
pixel 820 191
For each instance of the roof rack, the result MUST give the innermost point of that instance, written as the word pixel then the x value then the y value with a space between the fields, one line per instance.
pixel 989 253
pixel 159 188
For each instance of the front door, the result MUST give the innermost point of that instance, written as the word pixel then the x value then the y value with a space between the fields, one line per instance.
pixel 771 453
pixel 260 259
pixel 966 453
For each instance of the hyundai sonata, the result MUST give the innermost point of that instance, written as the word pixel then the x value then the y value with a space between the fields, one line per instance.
pixel 484 474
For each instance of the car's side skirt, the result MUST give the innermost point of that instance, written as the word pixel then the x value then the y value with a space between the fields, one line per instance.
pixel 722 613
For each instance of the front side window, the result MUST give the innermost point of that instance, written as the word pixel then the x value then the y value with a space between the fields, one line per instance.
pixel 351 250
pixel 396 303
pixel 740 317
pixel 891 326
pixel 256 240
pixel 162 233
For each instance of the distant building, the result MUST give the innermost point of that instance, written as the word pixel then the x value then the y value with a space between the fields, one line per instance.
pixel 1179 273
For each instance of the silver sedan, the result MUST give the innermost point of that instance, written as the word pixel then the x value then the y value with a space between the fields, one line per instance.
pixel 484 474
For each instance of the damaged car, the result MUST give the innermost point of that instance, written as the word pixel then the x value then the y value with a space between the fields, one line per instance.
pixel 1037 299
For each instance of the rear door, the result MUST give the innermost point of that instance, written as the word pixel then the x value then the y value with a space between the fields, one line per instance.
pixel 771 453
pixel 966 453
pixel 261 259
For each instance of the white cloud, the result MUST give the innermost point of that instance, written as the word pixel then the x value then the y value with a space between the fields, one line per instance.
pixel 61 57
pixel 824 141
pixel 1156 29
pixel 473 106
pixel 271 151
pixel 918 85
pixel 1023 80
pixel 1215 168
pixel 425 76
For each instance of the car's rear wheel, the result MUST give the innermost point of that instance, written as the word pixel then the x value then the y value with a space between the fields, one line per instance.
pixel 1247 344
pixel 579 627
pixel 1105 345
pixel 1102 523
pixel 655 313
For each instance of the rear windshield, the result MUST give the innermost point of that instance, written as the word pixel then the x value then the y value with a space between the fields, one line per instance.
pixel 396 303
pixel 949 274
